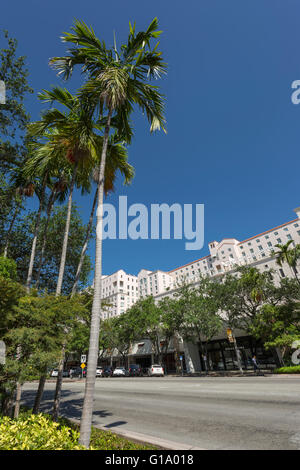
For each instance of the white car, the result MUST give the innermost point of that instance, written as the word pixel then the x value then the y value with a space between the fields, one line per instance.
pixel 54 373
pixel 156 370
pixel 119 372
pixel 99 372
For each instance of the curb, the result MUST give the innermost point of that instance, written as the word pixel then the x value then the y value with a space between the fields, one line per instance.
pixel 140 438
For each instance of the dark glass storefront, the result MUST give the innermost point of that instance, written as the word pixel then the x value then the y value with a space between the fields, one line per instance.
pixel 222 356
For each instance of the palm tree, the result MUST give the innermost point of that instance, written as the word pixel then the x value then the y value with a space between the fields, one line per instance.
pixel 116 160
pixel 59 190
pixel 289 256
pixel 118 80
pixel 21 186
pixel 71 136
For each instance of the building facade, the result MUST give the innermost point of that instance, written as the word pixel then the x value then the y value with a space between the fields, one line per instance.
pixel 121 290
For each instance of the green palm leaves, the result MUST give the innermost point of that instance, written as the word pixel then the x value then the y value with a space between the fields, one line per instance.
pixel 117 79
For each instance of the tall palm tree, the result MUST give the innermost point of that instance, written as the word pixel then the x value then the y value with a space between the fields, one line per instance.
pixel 118 80
pixel 116 160
pixel 289 256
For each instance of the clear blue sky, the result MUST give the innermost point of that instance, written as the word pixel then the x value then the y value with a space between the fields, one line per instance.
pixel 233 133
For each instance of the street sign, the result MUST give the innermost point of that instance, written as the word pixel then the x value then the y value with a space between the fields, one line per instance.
pixel 83 358
pixel 82 365
pixel 230 335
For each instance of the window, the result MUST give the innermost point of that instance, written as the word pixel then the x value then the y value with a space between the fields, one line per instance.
pixel 278 240
pixel 281 272
pixel 296 225
pixel 289 237
pixel 258 240
pixel 269 244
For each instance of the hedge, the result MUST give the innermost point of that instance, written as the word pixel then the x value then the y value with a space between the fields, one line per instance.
pixel 288 370
pixel 40 432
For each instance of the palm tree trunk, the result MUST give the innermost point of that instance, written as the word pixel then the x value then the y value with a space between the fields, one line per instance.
pixel 18 400
pixel 85 245
pixel 10 230
pixel 18 389
pixel 58 292
pixel 59 380
pixel 44 240
pixel 295 274
pixel 39 395
pixel 35 236
pixel 87 411
pixel 66 235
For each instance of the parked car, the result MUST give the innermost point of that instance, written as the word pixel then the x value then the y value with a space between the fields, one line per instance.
pixel 54 373
pixel 107 372
pixel 66 373
pixel 156 370
pixel 99 372
pixel 75 372
pixel 135 370
pixel 120 372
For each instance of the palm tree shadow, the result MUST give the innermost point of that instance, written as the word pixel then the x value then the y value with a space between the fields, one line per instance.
pixel 68 408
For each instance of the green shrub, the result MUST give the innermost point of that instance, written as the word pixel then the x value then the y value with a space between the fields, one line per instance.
pixel 36 432
pixel 288 370
pixel 39 432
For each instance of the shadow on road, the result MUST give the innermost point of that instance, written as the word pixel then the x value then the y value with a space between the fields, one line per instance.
pixel 70 408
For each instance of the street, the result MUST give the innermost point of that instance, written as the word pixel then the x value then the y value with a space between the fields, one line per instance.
pixel 208 413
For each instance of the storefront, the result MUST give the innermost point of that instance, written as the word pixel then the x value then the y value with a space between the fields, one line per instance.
pixel 221 354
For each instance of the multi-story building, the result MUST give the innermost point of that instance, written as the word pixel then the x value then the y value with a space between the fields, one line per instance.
pixel 122 290
pixel 256 251
pixel 154 282
pixel 119 292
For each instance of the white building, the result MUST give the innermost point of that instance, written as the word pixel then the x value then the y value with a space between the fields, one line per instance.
pixel 122 290
pixel 119 292
pixel 256 251
pixel 154 282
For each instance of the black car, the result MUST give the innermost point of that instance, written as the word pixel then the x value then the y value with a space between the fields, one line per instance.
pixel 135 370
pixel 107 372
pixel 75 372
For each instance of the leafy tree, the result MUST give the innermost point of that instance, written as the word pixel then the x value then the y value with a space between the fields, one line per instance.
pixel 13 115
pixel 8 268
pixel 147 323
pixel 21 245
pixel 278 326
pixel 202 315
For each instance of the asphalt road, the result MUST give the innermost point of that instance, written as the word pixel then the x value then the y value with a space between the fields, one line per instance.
pixel 209 413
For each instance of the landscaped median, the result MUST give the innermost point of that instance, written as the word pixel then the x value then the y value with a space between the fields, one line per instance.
pixel 40 432
pixel 287 370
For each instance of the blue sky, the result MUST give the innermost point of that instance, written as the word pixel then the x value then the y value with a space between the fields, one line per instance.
pixel 233 133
